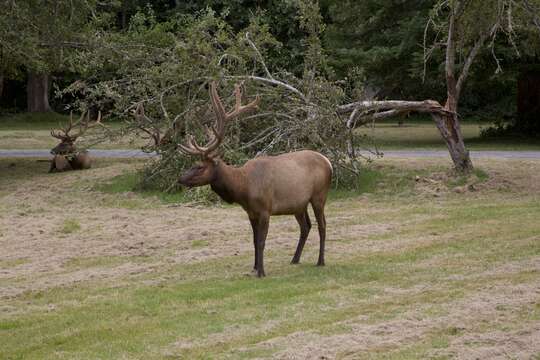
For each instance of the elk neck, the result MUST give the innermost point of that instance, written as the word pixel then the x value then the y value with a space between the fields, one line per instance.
pixel 229 183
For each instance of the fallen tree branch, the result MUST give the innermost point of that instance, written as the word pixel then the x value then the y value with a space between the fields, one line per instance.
pixel 272 82
pixel 259 55
pixel 374 109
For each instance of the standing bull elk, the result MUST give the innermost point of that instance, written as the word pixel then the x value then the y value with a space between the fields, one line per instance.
pixel 265 186
pixel 66 155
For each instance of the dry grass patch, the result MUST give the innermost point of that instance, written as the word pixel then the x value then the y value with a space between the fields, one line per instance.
pixel 409 274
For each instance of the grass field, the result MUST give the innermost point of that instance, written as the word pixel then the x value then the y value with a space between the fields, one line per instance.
pixel 420 264
pixel 26 131
pixel 33 131
pixel 422 134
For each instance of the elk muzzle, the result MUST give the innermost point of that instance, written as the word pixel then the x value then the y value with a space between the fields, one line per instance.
pixel 200 174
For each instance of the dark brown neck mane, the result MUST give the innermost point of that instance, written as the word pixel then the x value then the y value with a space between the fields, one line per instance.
pixel 229 183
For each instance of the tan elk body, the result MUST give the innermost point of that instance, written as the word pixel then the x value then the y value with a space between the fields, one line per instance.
pixel 279 185
pixel 275 185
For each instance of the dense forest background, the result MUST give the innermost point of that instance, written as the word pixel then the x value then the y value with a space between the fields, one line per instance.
pixel 377 43
pixel 323 68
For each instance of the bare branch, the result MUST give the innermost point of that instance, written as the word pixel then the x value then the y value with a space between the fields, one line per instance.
pixel 376 110
pixel 273 82
pixel 426 106
pixel 472 55
pixel 533 12
pixel 451 51
pixel 259 55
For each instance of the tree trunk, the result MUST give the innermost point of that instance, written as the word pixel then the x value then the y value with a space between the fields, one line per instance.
pixel 450 131
pixel 528 101
pixel 448 124
pixel 37 90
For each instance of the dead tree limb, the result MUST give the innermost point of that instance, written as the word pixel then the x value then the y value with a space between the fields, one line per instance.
pixel 380 109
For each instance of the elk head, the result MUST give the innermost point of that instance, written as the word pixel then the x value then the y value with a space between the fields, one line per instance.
pixel 67 138
pixel 203 172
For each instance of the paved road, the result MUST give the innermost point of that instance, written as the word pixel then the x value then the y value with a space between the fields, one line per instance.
pixel 390 154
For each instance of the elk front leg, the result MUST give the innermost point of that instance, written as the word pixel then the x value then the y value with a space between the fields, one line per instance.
pixel 61 163
pixel 262 231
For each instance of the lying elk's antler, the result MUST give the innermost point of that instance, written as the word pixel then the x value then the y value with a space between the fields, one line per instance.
pixel 217 131
pixel 84 125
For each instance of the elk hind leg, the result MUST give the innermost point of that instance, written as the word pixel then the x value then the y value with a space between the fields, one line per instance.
pixel 318 209
pixel 305 226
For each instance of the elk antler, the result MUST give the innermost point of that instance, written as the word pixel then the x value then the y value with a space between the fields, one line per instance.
pixel 217 131
pixel 85 125
pixel 64 134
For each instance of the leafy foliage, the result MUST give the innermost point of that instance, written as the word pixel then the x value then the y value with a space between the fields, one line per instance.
pixel 167 66
pixel 381 40
pixel 44 36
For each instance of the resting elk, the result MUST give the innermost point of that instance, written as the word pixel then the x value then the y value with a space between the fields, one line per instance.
pixel 265 186
pixel 66 155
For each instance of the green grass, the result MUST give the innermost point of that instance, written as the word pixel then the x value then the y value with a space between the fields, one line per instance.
pixel 197 244
pixel 369 181
pixel 70 226
pixel 145 321
pixel 6 264
pixel 131 182
pixel 372 179
pixel 435 252
pixel 418 134
pixel 40 121
pixel 13 170
pixel 32 121
pixel 32 131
